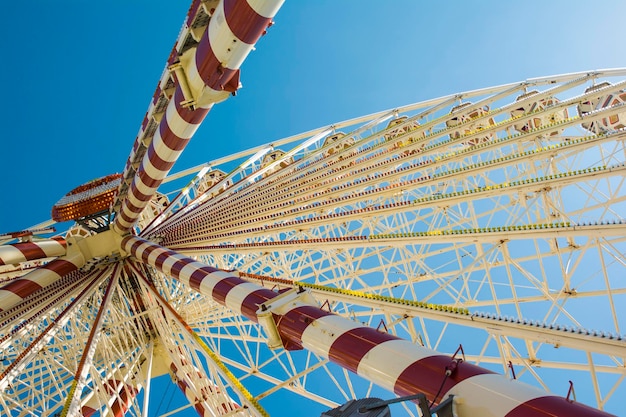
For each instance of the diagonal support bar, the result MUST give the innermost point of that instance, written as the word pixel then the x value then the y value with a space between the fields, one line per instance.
pixel 72 403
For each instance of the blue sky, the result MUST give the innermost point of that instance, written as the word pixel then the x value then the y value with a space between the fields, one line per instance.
pixel 78 76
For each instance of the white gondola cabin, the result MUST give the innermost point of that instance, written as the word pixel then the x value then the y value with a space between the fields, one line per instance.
pixel 528 106
pixel 463 116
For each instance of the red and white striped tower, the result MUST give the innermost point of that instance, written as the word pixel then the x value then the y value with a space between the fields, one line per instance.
pixel 121 396
pixel 398 365
pixel 198 389
pixel 209 74
pixel 15 291
pixel 29 251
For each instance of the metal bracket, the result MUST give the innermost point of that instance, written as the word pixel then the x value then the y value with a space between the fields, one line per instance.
pixel 278 306
pixel 444 409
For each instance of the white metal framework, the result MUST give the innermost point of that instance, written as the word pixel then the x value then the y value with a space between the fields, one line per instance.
pixel 491 220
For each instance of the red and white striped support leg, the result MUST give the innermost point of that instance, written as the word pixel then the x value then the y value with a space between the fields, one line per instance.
pixel 234 29
pixel 121 396
pixel 172 136
pixel 212 73
pixel 14 292
pixel 398 365
pixel 210 393
pixel 28 251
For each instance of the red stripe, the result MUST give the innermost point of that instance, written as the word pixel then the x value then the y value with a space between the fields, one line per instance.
pixel 155 97
pixel 183 385
pixel 111 386
pixel 292 325
pixel 349 348
pixel 427 375
pixel 245 23
pixel 31 250
pixel 209 68
pixel 87 411
pixel 193 10
pixel 157 162
pixel 200 409
pixel 22 287
pixel 251 303
pixel 134 246
pixel 146 252
pixel 550 406
pixel 178 266
pixel 223 287
pixel 130 206
pixel 198 275
pixel 146 179
pixel 121 404
pixel 60 240
pixel 169 138
pixel 160 260
pixel 124 216
pixel 193 117
pixel 60 266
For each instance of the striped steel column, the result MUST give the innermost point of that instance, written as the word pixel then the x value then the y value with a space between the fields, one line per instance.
pixel 174 132
pixel 395 364
pixel 234 28
pixel 121 397
pixel 28 251
pixel 210 393
pixel 15 291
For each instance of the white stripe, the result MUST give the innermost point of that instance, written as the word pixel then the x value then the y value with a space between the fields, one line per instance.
pixel 140 249
pixel 133 199
pixel 154 255
pixel 120 224
pixel 164 152
pixel 168 263
pixel 8 299
pixel 177 124
pixel 384 363
pixel 208 282
pixel 45 277
pixel 322 333
pixel 190 269
pixel 194 80
pixel 42 277
pixel 142 187
pixel 158 173
pixel 52 248
pixel 11 255
pixel 75 258
pixel 501 394
pixel 266 8
pixel 235 297
pixel 227 48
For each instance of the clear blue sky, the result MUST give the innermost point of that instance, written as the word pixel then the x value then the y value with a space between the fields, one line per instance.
pixel 78 76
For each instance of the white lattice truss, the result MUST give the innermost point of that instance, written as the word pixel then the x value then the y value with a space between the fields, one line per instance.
pixel 499 228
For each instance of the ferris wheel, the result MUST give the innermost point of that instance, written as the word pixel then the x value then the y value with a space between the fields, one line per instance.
pixel 470 248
